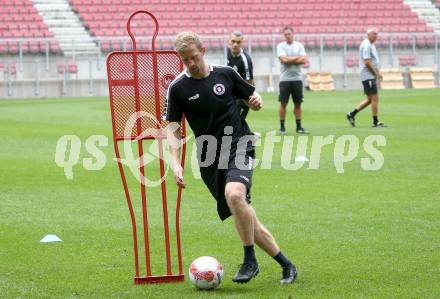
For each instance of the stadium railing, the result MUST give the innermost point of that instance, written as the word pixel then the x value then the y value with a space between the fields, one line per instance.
pixel 327 52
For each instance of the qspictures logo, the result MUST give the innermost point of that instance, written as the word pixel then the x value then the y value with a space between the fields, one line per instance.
pixel 297 152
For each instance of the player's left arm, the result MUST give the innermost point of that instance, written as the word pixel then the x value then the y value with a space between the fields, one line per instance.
pixel 250 77
pixel 244 90
pixel 255 101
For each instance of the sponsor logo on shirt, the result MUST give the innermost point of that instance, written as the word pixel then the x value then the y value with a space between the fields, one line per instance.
pixel 219 89
pixel 194 97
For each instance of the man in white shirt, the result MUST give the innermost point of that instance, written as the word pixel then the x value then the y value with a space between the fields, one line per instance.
pixel 291 55
pixel 369 70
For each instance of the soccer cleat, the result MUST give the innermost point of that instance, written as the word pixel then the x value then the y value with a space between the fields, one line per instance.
pixel 350 119
pixel 301 131
pixel 282 131
pixel 379 125
pixel 246 272
pixel 289 274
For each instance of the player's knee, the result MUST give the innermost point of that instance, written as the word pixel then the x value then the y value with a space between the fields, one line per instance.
pixel 235 197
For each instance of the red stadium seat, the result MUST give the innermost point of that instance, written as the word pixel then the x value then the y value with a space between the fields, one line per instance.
pixel 72 67
pixel 10 69
pixel 106 18
pixel 407 60
pixel 55 47
pixel 60 68
pixel 21 20
pixel 351 61
pixel 34 46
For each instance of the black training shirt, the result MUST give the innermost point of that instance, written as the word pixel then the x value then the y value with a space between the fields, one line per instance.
pixel 242 64
pixel 209 104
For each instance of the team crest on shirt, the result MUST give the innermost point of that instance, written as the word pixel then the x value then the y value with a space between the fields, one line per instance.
pixel 219 89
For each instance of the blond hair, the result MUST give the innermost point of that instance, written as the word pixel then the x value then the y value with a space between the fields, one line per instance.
pixel 186 38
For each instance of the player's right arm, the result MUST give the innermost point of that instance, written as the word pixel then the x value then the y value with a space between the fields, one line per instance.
pixel 371 67
pixel 173 114
pixel 174 136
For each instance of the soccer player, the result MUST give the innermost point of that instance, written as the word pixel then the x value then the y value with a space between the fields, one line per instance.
pixel 207 94
pixel 240 61
pixel 291 55
pixel 369 70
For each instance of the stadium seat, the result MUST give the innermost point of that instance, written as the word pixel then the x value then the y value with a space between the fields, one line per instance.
pixel 20 20
pixel 261 17
pixel 351 61
pixel 10 69
pixel 107 18
pixel 60 68
pixel 407 60
pixel 72 67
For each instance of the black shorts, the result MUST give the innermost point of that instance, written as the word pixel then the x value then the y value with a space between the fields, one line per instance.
pixel 370 87
pixel 215 179
pixel 294 88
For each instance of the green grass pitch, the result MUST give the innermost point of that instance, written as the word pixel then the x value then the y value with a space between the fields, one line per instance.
pixel 360 234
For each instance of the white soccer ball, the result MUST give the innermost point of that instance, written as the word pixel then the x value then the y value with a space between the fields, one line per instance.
pixel 206 273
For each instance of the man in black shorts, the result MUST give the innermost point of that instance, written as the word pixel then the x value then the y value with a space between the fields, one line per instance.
pixel 240 61
pixel 369 70
pixel 291 55
pixel 207 94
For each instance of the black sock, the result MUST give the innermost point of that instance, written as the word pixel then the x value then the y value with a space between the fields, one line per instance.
pixel 375 120
pixel 282 260
pixel 249 254
pixel 282 124
pixel 354 112
pixel 298 123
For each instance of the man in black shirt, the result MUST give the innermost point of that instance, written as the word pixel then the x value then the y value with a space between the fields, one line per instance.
pixel 240 61
pixel 207 94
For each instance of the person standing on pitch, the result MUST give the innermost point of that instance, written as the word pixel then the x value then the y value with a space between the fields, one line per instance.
pixel 206 94
pixel 241 62
pixel 291 55
pixel 369 70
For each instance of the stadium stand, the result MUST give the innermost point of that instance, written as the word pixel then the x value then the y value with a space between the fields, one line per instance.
pixel 23 28
pixel 107 18
pixel 422 77
pixel 427 10
pixel 392 78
